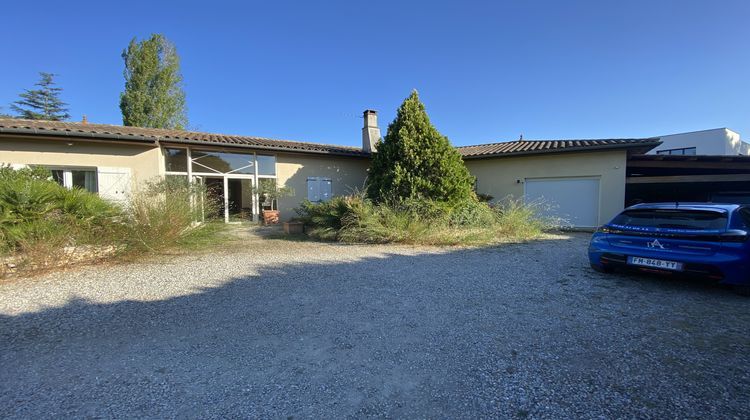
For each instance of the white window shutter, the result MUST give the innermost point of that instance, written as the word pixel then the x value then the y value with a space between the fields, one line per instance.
pixel 114 183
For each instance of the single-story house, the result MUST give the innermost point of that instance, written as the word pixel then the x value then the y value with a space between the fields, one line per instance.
pixel 581 181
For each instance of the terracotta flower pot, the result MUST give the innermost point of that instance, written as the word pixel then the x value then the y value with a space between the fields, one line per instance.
pixel 270 217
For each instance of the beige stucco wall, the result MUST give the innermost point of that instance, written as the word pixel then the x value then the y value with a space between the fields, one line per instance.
pixel 292 170
pixel 498 176
pixel 144 161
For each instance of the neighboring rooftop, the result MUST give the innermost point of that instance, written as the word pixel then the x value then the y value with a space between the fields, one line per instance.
pixel 79 130
pixel 528 147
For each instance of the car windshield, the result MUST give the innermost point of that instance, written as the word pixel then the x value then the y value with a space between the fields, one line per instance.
pixel 672 219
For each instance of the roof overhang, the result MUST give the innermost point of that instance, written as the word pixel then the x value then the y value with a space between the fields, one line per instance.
pixel 217 145
pixel 134 139
pixel 632 149
pixel 72 135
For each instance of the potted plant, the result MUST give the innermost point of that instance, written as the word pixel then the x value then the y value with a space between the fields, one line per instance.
pixel 269 194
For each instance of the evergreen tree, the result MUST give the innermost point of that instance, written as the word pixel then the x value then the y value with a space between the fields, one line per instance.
pixel 153 95
pixel 43 103
pixel 415 161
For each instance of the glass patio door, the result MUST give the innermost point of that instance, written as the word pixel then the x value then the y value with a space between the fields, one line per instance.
pixel 227 196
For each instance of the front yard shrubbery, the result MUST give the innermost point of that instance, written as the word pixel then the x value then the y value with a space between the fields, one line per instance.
pixel 357 219
pixel 43 223
pixel 420 192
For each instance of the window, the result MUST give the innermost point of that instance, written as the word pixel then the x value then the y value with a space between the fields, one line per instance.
pixel 76 178
pixel 266 165
pixel 221 162
pixel 745 215
pixel 318 189
pixel 229 176
pixel 176 160
pixel 682 151
pixel 673 219
pixel 267 202
pixel 176 182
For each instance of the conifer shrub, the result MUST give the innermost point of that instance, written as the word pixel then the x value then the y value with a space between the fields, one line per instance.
pixel 415 161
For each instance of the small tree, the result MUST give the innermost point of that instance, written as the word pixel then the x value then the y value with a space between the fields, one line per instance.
pixel 153 95
pixel 43 103
pixel 415 161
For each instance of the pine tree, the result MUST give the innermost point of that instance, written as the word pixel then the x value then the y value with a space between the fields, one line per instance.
pixel 153 95
pixel 43 103
pixel 415 161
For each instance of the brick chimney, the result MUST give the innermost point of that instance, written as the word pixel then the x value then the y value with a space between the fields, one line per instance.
pixel 371 131
pixel 84 121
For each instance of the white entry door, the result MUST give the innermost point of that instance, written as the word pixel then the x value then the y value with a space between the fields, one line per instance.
pixel 573 200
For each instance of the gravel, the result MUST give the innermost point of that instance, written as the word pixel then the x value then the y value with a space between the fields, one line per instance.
pixel 299 329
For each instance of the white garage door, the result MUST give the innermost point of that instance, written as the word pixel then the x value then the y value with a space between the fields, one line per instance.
pixel 574 200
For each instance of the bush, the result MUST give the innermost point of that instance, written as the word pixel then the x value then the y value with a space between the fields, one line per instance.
pixel 35 209
pixel 357 219
pixel 415 161
pixel 39 218
pixel 472 213
pixel 163 211
pixel 520 220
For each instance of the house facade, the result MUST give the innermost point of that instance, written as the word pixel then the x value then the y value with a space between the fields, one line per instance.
pixel 713 142
pixel 114 161
pixel 582 182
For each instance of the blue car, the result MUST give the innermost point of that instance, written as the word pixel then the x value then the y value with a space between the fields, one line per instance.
pixel 693 239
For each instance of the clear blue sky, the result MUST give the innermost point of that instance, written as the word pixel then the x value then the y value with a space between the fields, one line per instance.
pixel 486 71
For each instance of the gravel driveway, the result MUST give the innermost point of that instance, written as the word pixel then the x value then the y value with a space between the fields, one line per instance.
pixel 295 329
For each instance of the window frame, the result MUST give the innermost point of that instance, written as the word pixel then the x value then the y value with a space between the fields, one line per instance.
pixel 226 176
pixel 683 150
pixel 67 177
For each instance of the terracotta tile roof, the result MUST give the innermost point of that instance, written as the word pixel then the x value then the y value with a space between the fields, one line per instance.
pixel 525 147
pixel 151 135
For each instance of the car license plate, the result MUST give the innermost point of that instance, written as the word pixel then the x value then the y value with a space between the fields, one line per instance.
pixel 650 262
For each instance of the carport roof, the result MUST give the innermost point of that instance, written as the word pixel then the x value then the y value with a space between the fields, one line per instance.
pixel 527 147
pixel 80 130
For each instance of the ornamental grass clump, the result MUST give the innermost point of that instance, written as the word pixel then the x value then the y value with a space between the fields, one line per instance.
pixel 357 219
pixel 164 212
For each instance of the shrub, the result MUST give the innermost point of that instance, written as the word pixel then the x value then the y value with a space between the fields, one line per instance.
pixel 520 220
pixel 415 161
pixel 163 211
pixel 472 213
pixel 35 209
pixel 357 219
pixel 39 218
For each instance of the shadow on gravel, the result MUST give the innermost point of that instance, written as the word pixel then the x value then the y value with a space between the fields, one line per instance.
pixel 521 330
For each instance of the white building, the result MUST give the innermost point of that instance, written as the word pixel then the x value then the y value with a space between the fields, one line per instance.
pixel 717 141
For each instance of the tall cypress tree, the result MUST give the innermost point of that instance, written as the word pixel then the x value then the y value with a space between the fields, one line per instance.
pixel 153 95
pixel 415 161
pixel 43 103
